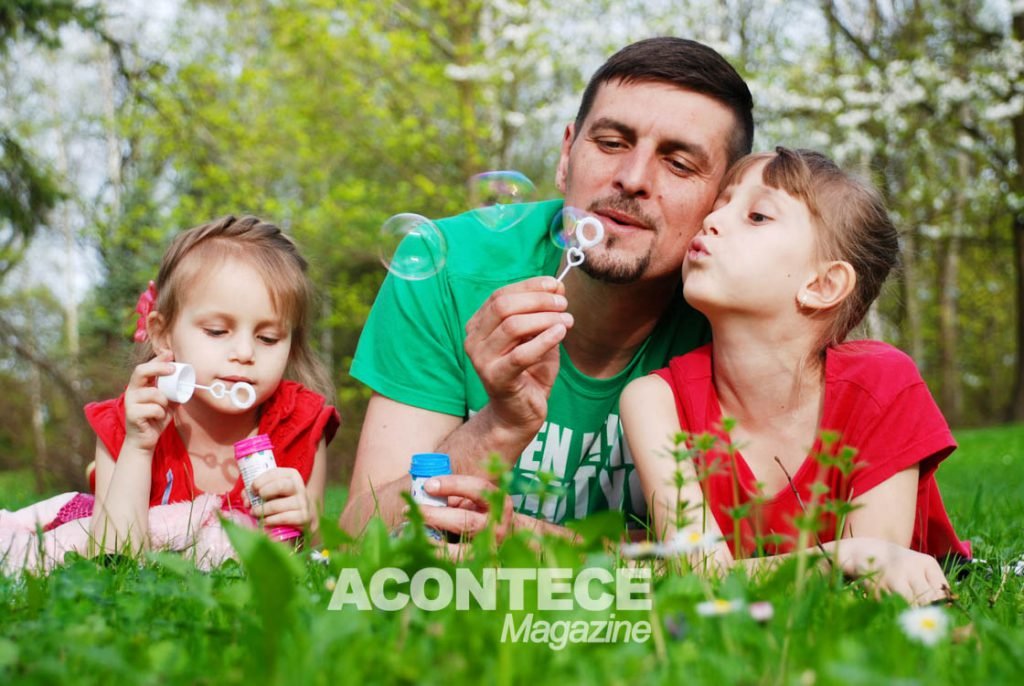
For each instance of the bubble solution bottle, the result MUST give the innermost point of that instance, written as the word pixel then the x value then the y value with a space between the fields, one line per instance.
pixel 256 455
pixel 424 466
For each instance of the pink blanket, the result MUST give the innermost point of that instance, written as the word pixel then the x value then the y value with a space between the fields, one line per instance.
pixel 192 528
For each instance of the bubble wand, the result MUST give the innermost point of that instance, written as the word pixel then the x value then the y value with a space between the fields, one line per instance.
pixel 181 384
pixel 574 254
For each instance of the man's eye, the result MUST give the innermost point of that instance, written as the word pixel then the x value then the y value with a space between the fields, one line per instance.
pixel 610 144
pixel 679 167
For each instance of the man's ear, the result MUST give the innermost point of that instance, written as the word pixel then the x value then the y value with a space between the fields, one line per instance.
pixel 562 171
pixel 156 329
pixel 828 288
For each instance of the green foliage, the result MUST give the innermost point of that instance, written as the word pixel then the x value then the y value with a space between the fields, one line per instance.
pixel 40 20
pixel 26 193
pixel 267 618
pixel 919 101
pixel 329 116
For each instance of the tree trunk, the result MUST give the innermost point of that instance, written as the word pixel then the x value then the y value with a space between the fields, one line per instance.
pixel 69 300
pixel 41 461
pixel 950 400
pixel 949 276
pixel 912 325
pixel 1016 412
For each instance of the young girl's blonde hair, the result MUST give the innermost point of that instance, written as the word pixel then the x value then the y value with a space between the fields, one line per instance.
pixel 852 221
pixel 274 255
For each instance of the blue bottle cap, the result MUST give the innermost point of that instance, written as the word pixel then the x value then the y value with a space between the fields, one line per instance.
pixel 430 464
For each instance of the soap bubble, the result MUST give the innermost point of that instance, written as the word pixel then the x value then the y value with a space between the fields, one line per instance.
pixel 412 247
pixel 575 228
pixel 498 198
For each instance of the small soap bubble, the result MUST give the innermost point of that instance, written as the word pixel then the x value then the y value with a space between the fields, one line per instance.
pixel 498 198
pixel 575 228
pixel 412 247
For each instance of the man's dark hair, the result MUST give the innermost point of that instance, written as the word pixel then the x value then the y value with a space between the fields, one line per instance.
pixel 685 64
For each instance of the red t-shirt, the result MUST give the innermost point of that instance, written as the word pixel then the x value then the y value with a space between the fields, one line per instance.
pixel 875 400
pixel 294 417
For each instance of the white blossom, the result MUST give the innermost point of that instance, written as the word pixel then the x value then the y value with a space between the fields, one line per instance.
pixel 515 119
pixel 1005 110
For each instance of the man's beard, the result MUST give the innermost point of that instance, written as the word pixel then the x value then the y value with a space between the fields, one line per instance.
pixel 606 268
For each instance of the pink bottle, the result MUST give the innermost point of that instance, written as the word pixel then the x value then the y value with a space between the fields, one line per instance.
pixel 256 455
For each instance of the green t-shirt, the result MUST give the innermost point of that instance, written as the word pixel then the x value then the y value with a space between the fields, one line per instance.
pixel 411 351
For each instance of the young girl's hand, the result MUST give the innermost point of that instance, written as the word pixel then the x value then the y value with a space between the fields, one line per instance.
pixel 285 499
pixel 145 406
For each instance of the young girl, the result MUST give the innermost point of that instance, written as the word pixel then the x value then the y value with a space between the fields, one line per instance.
pixel 787 263
pixel 232 299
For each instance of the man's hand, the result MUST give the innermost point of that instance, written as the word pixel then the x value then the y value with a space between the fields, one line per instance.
pixel 470 507
pixel 513 341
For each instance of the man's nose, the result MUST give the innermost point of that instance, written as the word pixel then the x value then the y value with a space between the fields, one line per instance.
pixel 633 175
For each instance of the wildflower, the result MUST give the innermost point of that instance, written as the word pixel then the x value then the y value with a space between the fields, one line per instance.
pixel 321 556
pixel 687 542
pixel 330 583
pixel 761 611
pixel 718 607
pixel 926 625
pixel 677 626
pixel 641 550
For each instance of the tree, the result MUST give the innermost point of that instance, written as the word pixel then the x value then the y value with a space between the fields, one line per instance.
pixel 911 93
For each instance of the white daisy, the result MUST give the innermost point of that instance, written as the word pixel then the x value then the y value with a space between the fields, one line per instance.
pixel 321 556
pixel 927 625
pixel 718 607
pixel 693 541
pixel 641 550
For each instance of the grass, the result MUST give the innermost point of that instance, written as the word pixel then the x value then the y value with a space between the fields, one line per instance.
pixel 156 620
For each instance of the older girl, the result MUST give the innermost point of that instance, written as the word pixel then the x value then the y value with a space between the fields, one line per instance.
pixel 787 263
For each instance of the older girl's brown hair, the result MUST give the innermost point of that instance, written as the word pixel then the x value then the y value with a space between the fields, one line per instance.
pixel 852 221
pixel 274 255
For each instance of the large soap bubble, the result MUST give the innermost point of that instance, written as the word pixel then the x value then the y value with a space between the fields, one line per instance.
pixel 575 228
pixel 498 198
pixel 412 247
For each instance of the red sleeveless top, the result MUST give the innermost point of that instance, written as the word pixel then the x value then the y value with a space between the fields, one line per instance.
pixel 875 401
pixel 294 417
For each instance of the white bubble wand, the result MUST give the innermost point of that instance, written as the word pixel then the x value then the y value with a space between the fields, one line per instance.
pixel 574 256
pixel 181 384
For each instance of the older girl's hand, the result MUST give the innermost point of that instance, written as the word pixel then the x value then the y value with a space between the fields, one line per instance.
pixel 886 567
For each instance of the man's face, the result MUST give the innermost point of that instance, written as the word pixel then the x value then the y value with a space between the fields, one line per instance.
pixel 647 161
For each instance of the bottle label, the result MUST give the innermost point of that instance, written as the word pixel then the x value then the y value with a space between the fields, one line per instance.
pixel 251 467
pixel 423 498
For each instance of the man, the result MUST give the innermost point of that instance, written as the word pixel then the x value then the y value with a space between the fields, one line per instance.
pixel 494 356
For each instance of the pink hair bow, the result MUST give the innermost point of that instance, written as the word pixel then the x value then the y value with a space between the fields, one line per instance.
pixel 145 305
